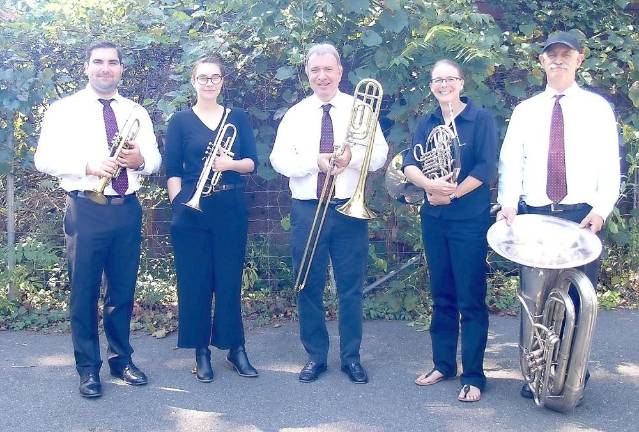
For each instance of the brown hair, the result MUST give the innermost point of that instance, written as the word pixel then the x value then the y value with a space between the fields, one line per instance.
pixel 209 59
pixel 102 44
pixel 451 63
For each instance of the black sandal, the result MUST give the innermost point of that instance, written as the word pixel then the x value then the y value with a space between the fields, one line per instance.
pixel 465 390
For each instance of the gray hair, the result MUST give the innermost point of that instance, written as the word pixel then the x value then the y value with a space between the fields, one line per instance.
pixel 321 49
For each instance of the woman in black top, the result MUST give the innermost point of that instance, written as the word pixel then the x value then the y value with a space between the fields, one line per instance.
pixel 455 218
pixel 210 245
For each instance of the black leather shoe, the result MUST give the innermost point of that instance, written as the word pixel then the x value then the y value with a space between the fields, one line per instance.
pixel 238 359
pixel 355 372
pixel 203 370
pixel 90 386
pixel 526 392
pixel 311 371
pixel 130 374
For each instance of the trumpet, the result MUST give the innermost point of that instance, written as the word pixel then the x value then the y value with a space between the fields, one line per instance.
pixel 361 131
pixel 119 142
pixel 221 145
pixel 439 157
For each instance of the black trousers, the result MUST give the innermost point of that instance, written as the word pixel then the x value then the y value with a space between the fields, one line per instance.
pixel 209 249
pixel 345 240
pixel 456 254
pixel 102 238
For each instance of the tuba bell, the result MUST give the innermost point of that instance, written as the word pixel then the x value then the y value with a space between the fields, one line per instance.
pixel 361 130
pixel 222 144
pixel 554 342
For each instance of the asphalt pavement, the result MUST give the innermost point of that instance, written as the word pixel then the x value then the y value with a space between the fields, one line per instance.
pixel 38 386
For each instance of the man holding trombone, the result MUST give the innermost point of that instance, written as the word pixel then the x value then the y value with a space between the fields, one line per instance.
pixel 103 217
pixel 324 173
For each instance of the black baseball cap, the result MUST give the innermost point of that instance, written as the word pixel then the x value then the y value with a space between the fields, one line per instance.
pixel 563 37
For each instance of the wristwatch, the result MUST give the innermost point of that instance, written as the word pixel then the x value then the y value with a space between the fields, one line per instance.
pixel 452 197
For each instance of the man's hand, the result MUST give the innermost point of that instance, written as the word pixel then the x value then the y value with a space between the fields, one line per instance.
pixel 441 186
pixel 507 213
pixel 324 161
pixel 131 157
pixel 104 168
pixel 593 222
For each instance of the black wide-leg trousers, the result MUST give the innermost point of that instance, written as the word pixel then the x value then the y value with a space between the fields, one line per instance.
pixel 209 248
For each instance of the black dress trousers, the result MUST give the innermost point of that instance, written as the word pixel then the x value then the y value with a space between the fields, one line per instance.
pixel 209 249
pixel 102 238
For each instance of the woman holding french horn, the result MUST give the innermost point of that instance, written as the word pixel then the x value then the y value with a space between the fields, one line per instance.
pixel 208 147
pixel 454 220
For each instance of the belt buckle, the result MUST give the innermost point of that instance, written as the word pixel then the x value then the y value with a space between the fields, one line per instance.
pixel 555 208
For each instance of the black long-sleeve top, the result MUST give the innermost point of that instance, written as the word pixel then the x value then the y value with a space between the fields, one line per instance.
pixel 187 138
pixel 478 138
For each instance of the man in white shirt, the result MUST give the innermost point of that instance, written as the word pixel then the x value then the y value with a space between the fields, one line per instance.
pixel 560 156
pixel 315 123
pixel 101 236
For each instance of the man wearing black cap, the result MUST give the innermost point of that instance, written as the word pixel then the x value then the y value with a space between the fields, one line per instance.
pixel 560 156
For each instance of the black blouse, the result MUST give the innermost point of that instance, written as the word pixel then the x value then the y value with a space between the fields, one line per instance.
pixel 187 138
pixel 478 138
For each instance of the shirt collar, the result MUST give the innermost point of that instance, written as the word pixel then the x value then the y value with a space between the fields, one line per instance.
pixel 91 94
pixel 551 92
pixel 337 101
pixel 469 113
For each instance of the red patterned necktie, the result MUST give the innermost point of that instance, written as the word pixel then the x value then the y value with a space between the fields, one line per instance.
pixel 556 187
pixel 326 143
pixel 121 183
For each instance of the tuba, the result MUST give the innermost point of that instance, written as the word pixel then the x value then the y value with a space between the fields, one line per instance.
pixel 119 142
pixel 439 157
pixel 361 131
pixel 222 144
pixel 554 342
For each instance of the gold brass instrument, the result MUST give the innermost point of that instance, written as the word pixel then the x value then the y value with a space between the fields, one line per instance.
pixel 221 145
pixel 554 341
pixel 439 157
pixel 119 142
pixel 361 131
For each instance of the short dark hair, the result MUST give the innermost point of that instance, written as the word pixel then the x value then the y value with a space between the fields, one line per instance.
pixel 213 59
pixel 102 44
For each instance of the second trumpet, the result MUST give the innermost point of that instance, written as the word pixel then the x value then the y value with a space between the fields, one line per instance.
pixel 222 144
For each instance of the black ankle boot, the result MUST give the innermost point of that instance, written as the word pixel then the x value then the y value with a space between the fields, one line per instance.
pixel 238 359
pixel 203 369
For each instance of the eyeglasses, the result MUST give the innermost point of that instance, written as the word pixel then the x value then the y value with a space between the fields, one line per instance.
pixel 204 80
pixel 447 80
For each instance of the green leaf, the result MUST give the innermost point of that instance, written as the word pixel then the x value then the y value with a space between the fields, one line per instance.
pixel 393 5
pixel 285 72
pixel 356 6
pixel 394 22
pixel 633 94
pixel 371 38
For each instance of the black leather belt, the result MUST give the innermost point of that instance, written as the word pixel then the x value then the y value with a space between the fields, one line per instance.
pixel 555 208
pixel 110 199
pixel 229 186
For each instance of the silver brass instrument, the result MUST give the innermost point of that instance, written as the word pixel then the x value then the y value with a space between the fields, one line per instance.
pixel 439 157
pixel 222 144
pixel 119 142
pixel 361 131
pixel 554 343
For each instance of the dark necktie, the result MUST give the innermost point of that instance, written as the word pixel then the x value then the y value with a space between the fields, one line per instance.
pixel 121 183
pixel 326 143
pixel 556 187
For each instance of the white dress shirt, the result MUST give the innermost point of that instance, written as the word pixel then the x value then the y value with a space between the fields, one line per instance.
pixel 73 134
pixel 296 148
pixel 591 146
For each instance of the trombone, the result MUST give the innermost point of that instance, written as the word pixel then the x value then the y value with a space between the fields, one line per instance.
pixel 361 131
pixel 221 144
